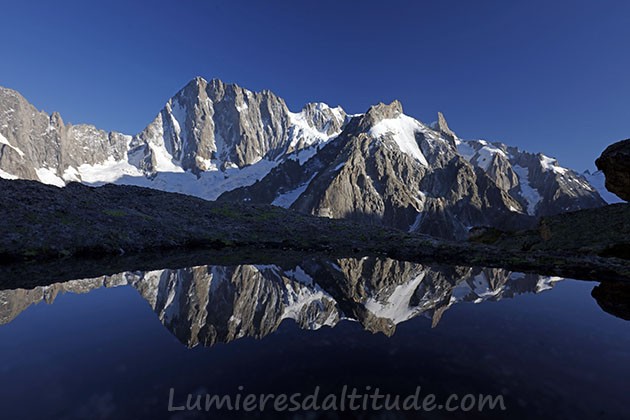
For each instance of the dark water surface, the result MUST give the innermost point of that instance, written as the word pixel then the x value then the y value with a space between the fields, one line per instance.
pixel 114 347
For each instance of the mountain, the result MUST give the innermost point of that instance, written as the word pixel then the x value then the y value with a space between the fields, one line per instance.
pixel 220 141
pixel 209 138
pixel 218 304
pixel 386 167
pixel 35 145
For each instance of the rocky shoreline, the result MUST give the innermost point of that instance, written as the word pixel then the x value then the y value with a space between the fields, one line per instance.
pixel 81 231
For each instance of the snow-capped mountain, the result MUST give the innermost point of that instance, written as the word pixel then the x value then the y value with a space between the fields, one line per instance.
pixel 209 138
pixel 220 141
pixel 211 304
pixel 386 167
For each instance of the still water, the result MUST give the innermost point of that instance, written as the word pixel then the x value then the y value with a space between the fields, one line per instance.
pixel 130 345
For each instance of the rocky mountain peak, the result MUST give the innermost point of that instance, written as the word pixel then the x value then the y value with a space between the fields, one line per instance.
pixel 10 96
pixel 210 125
pixel 13 105
pixel 380 112
pixel 196 84
pixel 56 120
pixel 214 139
pixel 200 81
pixel 443 128
pixel 323 118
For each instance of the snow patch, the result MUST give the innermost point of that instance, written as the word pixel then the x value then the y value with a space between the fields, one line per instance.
pixel 465 149
pixel 303 132
pixel 403 129
pixel 109 171
pixel 486 154
pixel 287 199
pixel 304 154
pixel 210 185
pixel 551 164
pixel 482 287
pixel 3 140
pixel 396 307
pixel 7 175
pixel 298 297
pixel 300 275
pixel 164 160
pixel 531 195
pixel 546 283
pixel 481 156
pixel 49 176
pixel 71 174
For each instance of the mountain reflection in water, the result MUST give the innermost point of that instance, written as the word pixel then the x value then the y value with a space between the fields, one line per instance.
pixel 211 304
pixel 101 349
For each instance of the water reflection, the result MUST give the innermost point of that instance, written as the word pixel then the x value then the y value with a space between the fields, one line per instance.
pixel 613 298
pixel 218 304
pixel 103 354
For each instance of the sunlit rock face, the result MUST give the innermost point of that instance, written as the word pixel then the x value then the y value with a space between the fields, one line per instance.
pixel 388 168
pixel 209 138
pixel 217 140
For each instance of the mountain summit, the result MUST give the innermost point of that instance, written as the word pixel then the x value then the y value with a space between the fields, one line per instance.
pixel 220 141
pixel 214 125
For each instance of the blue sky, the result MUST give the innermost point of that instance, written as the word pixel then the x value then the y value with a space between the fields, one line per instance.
pixel 550 76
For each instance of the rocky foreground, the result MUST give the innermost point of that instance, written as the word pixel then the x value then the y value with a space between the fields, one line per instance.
pixel 47 229
pixel 604 232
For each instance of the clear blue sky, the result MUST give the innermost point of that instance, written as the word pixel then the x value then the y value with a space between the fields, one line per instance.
pixel 550 76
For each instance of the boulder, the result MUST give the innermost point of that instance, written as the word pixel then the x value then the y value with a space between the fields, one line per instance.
pixel 615 163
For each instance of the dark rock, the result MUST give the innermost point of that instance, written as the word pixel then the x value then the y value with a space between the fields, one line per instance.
pixel 602 231
pixel 613 298
pixel 615 163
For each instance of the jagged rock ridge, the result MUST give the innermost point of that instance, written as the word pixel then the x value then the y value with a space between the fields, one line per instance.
pixel 209 138
pixel 388 168
pixel 217 140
